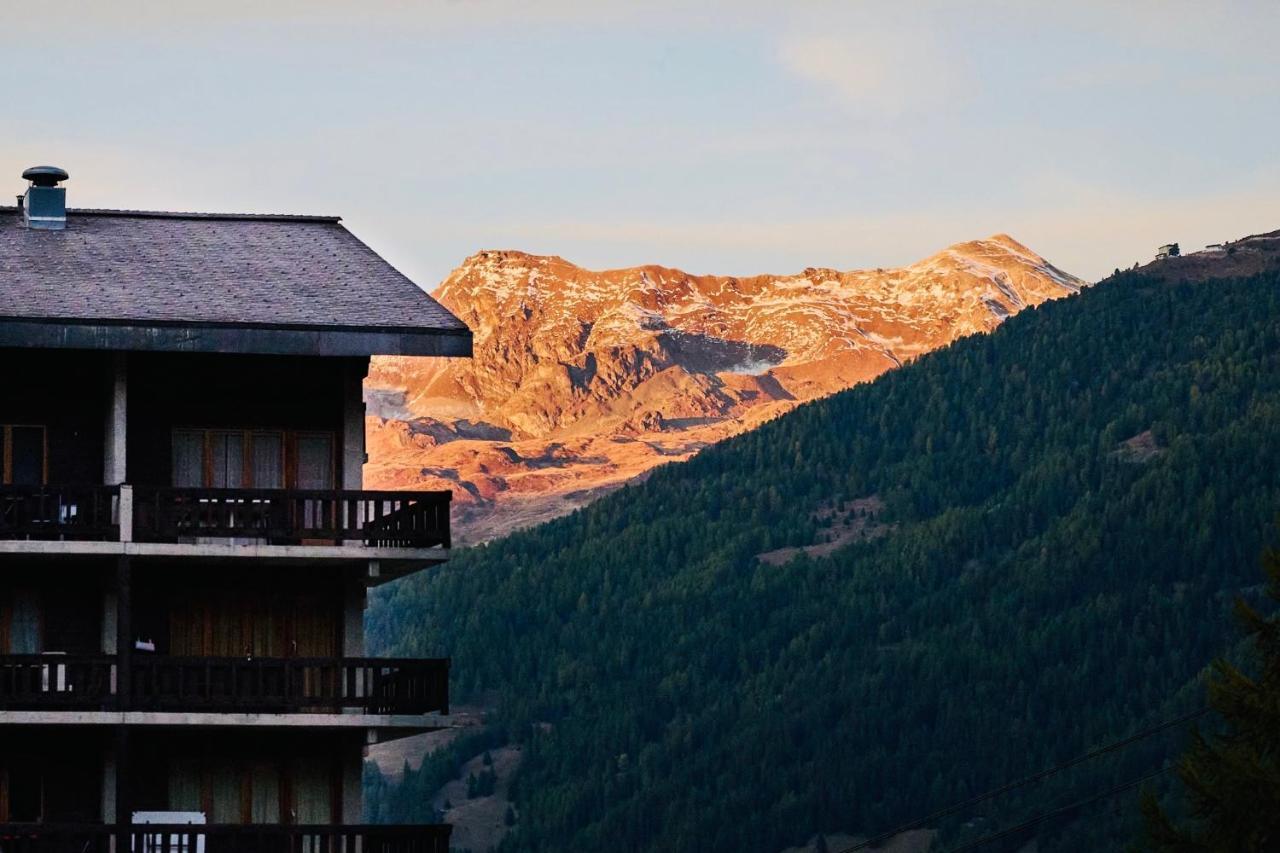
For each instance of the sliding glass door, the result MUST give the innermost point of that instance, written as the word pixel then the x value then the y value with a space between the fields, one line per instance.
pixel 228 459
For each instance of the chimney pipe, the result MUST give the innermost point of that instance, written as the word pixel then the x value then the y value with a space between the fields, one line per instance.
pixel 45 203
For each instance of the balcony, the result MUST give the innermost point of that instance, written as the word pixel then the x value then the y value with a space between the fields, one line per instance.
pixel 81 513
pixel 376 519
pixel 292 516
pixel 375 686
pixel 217 838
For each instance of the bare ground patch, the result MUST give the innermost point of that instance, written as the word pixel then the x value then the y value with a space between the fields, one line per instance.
pixel 912 841
pixel 1142 447
pixel 392 755
pixel 840 523
pixel 479 824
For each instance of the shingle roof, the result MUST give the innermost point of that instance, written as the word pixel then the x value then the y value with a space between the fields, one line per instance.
pixel 147 268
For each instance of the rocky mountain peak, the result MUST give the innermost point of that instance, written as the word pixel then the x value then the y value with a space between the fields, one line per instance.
pixel 583 379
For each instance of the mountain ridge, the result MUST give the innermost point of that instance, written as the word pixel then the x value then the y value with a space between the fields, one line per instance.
pixel 583 380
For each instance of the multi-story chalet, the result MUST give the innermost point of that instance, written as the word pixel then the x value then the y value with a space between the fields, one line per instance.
pixel 185 545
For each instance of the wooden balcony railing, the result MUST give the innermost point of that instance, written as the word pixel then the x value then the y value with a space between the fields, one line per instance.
pixel 60 512
pixel 398 686
pixel 225 838
pixel 57 682
pixel 292 516
pixel 370 685
pixel 274 516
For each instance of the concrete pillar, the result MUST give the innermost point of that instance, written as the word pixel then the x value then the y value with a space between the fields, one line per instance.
pixel 124 632
pixel 121 790
pixel 109 610
pixel 113 457
pixel 109 785
pixel 353 449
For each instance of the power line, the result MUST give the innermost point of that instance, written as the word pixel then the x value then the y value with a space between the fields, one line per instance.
pixel 1027 780
pixel 1038 819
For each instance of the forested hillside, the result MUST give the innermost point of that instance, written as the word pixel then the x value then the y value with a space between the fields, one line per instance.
pixel 1070 506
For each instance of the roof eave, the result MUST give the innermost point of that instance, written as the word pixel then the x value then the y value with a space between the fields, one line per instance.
pixel 41 333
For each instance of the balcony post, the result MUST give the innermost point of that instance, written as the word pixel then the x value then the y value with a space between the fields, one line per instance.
pixel 114 450
pixel 109 787
pixel 123 794
pixel 126 513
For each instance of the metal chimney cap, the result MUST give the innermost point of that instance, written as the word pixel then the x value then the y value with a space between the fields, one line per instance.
pixel 45 176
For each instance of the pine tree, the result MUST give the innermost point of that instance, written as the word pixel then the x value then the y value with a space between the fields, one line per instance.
pixel 486 783
pixel 1232 780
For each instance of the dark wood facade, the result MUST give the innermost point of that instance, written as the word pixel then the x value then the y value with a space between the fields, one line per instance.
pixel 162 653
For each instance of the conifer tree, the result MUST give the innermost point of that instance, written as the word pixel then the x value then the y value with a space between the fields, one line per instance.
pixel 1232 780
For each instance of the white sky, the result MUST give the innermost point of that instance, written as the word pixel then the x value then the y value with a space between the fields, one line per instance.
pixel 734 137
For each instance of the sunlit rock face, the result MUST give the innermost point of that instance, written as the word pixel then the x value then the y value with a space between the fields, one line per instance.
pixel 583 380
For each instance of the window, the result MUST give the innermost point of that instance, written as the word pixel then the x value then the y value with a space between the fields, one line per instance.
pixel 315 471
pixel 188 458
pixel 26 458
pixel 20 623
pixel 315 460
pixel 314 790
pixel 268 460
pixel 236 459
pixel 264 793
pixel 227 462
pixel 236 789
pixel 226 779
